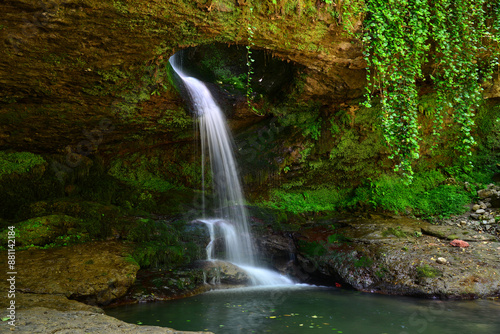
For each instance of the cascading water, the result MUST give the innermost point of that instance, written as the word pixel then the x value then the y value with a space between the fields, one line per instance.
pixel 233 225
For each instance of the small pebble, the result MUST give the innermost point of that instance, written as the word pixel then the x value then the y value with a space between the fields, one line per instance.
pixel 441 260
pixel 480 211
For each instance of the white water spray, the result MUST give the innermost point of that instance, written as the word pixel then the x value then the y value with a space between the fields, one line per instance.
pixel 233 225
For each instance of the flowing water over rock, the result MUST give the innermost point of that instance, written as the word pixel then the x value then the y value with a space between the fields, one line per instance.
pixel 232 226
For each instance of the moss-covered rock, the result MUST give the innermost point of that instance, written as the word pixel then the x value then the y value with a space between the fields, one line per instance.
pixel 404 261
pixel 19 163
pixel 21 180
pixel 44 230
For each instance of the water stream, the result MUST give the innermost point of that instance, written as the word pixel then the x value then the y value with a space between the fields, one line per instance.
pixel 232 225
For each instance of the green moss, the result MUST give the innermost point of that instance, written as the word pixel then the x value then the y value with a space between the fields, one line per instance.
pixel 363 262
pixel 47 231
pixel 304 116
pixel 161 243
pixel 428 271
pixel 427 196
pixel 175 119
pixel 18 162
pixel 397 232
pixel 141 174
pixel 312 249
pixel 23 179
pixel 94 220
pixel 338 238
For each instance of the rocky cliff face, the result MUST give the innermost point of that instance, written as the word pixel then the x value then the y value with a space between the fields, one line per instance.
pixel 69 64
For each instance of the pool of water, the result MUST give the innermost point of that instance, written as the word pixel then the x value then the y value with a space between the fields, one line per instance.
pixel 307 309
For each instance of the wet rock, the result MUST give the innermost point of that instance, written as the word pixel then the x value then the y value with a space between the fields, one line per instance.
pixel 446 232
pixel 474 216
pixel 459 243
pixel 495 201
pixel 96 272
pixel 441 260
pixel 57 302
pixel 221 272
pixel 39 319
pixel 402 266
pixel 484 193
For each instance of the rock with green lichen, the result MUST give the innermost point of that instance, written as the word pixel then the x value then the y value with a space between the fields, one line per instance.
pixel 45 230
pixel 20 163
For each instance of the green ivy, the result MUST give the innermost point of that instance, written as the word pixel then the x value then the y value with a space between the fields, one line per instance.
pixel 250 59
pixel 399 36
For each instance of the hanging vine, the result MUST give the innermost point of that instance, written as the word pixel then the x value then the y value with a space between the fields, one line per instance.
pixel 250 59
pixel 395 39
pixel 398 35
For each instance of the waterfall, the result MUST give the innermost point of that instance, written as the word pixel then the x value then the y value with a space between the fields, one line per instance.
pixel 233 224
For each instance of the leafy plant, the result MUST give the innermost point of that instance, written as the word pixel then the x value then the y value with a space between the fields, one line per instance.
pixel 398 35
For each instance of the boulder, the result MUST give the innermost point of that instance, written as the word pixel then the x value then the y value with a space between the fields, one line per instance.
pixel 367 258
pixel 221 272
pixel 39 319
pixel 95 272
pixel 485 193
pixel 459 243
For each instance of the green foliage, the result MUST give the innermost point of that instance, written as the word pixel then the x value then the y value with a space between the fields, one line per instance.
pixel 426 196
pixel 354 155
pixel 304 201
pixel 311 249
pixel 398 36
pixel 304 116
pixel 18 162
pixel 363 262
pixel 488 133
pixel 23 179
pixel 160 243
pixel 337 238
pixel 216 62
pixel 154 78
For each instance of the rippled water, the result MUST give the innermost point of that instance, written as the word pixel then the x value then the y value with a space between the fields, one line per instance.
pixel 305 309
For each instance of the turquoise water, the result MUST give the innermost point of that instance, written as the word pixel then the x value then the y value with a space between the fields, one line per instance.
pixel 305 309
